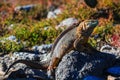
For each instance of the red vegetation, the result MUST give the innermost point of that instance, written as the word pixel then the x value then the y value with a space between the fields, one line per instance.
pixel 115 40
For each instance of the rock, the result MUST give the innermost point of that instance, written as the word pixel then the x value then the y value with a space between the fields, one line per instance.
pixel 74 66
pixel 26 7
pixel 11 38
pixel 9 44
pixel 114 70
pixel 34 73
pixel 112 78
pixel 92 78
pixel 25 56
pixel 53 14
pixel 19 74
pixel 52 8
pixel 28 73
pixel 45 48
pixel 1 69
pixel 5 62
pixel 21 79
pixel 67 23
pixel 10 27
pixel 100 44
pixel 78 65
pixel 111 50
pixel 47 27
pixel 4 67
pixel 57 11
pixel 17 8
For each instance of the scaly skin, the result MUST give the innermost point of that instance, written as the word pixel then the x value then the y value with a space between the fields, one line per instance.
pixel 71 38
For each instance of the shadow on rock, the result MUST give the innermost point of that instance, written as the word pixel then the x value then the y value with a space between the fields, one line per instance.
pixel 78 65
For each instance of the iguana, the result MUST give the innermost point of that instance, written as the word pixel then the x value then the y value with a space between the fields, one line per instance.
pixel 73 38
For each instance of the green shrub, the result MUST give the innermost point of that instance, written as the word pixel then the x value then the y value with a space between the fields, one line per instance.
pixel 9 46
pixel 35 34
pixel 103 34
pixel 29 27
pixel 21 32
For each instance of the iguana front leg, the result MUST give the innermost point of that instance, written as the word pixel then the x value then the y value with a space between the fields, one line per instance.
pixel 78 44
pixel 91 49
pixel 82 45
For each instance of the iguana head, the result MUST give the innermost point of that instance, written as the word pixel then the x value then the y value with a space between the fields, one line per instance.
pixel 88 26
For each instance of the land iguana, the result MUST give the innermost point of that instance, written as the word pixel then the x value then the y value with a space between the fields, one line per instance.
pixel 73 38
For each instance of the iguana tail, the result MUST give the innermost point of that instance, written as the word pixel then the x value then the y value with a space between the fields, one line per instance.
pixel 41 65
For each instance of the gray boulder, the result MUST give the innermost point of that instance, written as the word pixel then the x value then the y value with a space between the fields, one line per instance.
pixel 53 14
pixel 67 23
pixel 78 65
pixel 25 56
pixel 44 48
pixel 111 50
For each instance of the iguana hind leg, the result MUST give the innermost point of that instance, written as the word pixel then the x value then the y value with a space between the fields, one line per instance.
pixel 52 67
pixel 56 59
